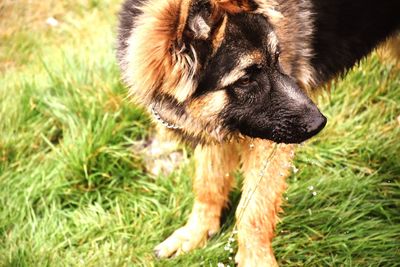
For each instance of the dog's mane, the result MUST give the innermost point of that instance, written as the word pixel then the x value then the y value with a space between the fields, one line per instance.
pixel 148 57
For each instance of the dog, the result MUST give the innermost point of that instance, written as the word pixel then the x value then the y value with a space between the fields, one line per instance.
pixel 233 78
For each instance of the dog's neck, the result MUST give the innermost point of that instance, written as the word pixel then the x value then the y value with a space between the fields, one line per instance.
pixel 159 119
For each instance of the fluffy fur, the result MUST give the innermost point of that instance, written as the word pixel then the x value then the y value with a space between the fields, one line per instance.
pixel 230 77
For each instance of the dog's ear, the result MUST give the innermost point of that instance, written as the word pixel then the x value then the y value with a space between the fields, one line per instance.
pixel 203 15
pixel 201 18
pixel 236 6
pixel 199 26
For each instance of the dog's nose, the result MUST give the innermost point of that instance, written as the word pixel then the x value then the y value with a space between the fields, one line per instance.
pixel 316 124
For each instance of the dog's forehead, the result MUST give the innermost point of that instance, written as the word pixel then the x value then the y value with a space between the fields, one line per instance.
pixel 248 29
pixel 226 67
pixel 247 38
pixel 242 63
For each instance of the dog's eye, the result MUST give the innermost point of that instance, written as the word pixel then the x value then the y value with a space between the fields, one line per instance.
pixel 249 77
pixel 245 80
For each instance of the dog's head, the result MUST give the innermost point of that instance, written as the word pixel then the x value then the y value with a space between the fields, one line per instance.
pixel 211 69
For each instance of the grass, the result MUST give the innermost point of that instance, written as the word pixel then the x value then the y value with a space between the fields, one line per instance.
pixel 73 191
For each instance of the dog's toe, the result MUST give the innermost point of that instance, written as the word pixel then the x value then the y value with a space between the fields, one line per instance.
pixel 169 247
pixel 157 253
pixel 182 240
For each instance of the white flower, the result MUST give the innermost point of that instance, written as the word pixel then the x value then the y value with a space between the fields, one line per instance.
pixel 295 170
pixel 52 22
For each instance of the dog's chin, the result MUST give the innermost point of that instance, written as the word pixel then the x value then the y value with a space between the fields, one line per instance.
pixel 278 139
pixel 278 136
pixel 222 134
pixel 209 137
pixel 288 139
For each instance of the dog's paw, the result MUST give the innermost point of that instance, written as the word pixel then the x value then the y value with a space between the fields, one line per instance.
pixel 193 235
pixel 248 258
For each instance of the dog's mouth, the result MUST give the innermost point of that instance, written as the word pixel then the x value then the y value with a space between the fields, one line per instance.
pixel 285 135
pixel 289 131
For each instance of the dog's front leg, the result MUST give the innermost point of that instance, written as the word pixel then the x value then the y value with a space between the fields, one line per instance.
pixel 264 182
pixel 212 183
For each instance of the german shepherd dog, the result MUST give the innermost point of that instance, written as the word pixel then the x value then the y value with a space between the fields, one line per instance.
pixel 233 77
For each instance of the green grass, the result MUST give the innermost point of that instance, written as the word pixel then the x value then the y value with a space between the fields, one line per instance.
pixel 73 191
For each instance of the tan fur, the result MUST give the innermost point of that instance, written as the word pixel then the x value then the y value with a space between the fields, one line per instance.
pixel 201 122
pixel 257 213
pixel 243 62
pixel 183 15
pixel 292 49
pixel 212 183
pixel 389 51
pixel 234 6
pixel 153 61
pixel 219 35
pixel 273 41
pixel 267 8
pixel 209 106
pixel 206 110
pixel 258 209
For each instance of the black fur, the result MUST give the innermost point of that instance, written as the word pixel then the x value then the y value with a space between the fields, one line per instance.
pixel 346 31
pixel 127 16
